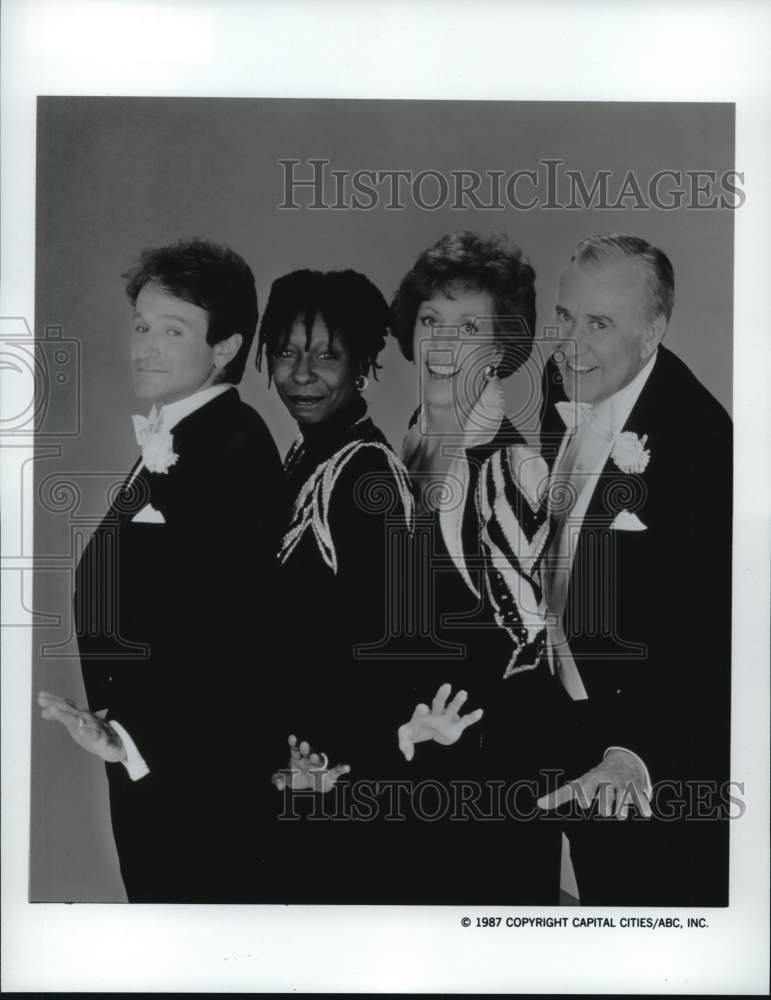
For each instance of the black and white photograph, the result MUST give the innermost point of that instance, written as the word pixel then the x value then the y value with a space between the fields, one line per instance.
pixel 381 561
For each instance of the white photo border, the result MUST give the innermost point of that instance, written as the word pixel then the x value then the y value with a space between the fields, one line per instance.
pixel 442 50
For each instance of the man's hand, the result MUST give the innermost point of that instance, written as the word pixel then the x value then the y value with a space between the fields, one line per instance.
pixel 307 770
pixel 440 723
pixel 87 729
pixel 619 783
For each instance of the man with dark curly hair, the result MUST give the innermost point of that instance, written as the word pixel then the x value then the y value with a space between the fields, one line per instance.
pixel 175 589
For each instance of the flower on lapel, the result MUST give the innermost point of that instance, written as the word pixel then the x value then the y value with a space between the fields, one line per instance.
pixel 630 454
pixel 158 451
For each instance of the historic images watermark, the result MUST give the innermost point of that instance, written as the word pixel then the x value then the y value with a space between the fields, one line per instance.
pixel 44 375
pixel 316 184
pixel 497 800
pixel 417 562
pixel 41 412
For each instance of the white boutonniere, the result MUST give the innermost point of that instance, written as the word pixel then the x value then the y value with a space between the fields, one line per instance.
pixel 158 451
pixel 630 454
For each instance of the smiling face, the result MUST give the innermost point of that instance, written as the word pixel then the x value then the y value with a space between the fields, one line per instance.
pixel 170 356
pixel 453 344
pixel 316 379
pixel 605 337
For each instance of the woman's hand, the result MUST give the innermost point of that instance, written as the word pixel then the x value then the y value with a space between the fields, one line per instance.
pixel 440 723
pixel 307 770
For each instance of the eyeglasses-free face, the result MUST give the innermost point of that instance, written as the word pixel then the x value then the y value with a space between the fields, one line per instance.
pixel 314 378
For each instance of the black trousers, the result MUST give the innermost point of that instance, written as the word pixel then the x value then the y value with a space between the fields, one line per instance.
pixel 650 862
pixel 185 842
pixel 428 841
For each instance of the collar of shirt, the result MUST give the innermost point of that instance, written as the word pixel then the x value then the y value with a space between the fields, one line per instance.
pixel 172 413
pixel 613 412
pixel 585 449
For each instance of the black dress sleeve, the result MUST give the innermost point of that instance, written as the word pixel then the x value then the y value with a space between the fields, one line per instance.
pixel 370 517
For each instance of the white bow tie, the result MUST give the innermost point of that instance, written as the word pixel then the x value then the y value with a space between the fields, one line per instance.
pixel 145 426
pixel 575 414
pixel 156 442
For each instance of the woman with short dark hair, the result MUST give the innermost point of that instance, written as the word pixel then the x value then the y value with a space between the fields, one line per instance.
pixel 321 336
pixel 465 315
pixel 492 265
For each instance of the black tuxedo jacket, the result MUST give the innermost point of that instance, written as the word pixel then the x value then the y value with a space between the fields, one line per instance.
pixel 648 614
pixel 174 622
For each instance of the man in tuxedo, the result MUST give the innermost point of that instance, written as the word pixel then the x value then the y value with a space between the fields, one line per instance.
pixel 638 585
pixel 174 593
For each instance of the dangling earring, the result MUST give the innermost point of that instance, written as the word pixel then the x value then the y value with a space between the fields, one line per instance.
pixel 491 399
pixel 487 414
pixel 361 382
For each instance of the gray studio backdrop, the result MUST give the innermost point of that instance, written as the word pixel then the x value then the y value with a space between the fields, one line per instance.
pixel 115 175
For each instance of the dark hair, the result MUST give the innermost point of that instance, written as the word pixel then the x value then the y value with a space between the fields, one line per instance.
pixel 490 264
pixel 349 304
pixel 210 276
pixel 660 298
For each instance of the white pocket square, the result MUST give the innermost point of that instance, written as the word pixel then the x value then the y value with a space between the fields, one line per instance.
pixel 625 521
pixel 149 515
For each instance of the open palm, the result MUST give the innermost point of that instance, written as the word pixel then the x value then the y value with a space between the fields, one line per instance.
pixel 441 723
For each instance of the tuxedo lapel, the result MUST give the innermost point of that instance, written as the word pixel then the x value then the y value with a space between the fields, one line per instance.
pixel 617 492
pixel 134 494
pixel 195 433
pixel 615 489
pixel 196 438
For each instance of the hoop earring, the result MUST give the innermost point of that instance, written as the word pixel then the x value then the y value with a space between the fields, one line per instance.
pixel 490 372
pixel 361 382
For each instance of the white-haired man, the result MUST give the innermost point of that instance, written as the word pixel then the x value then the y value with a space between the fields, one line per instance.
pixel 638 584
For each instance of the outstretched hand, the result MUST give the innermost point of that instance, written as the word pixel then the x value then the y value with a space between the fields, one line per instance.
pixel 308 770
pixel 88 730
pixel 440 723
pixel 619 783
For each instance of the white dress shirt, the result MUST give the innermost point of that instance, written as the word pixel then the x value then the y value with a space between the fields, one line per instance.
pixel 582 456
pixel 168 417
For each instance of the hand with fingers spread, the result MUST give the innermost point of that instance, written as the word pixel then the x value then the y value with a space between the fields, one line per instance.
pixel 440 723
pixel 619 783
pixel 87 729
pixel 308 770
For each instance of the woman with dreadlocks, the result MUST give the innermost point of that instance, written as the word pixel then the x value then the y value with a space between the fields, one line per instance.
pixel 350 499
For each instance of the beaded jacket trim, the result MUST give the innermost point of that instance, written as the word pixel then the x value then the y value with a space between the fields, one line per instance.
pixel 312 507
pixel 514 536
